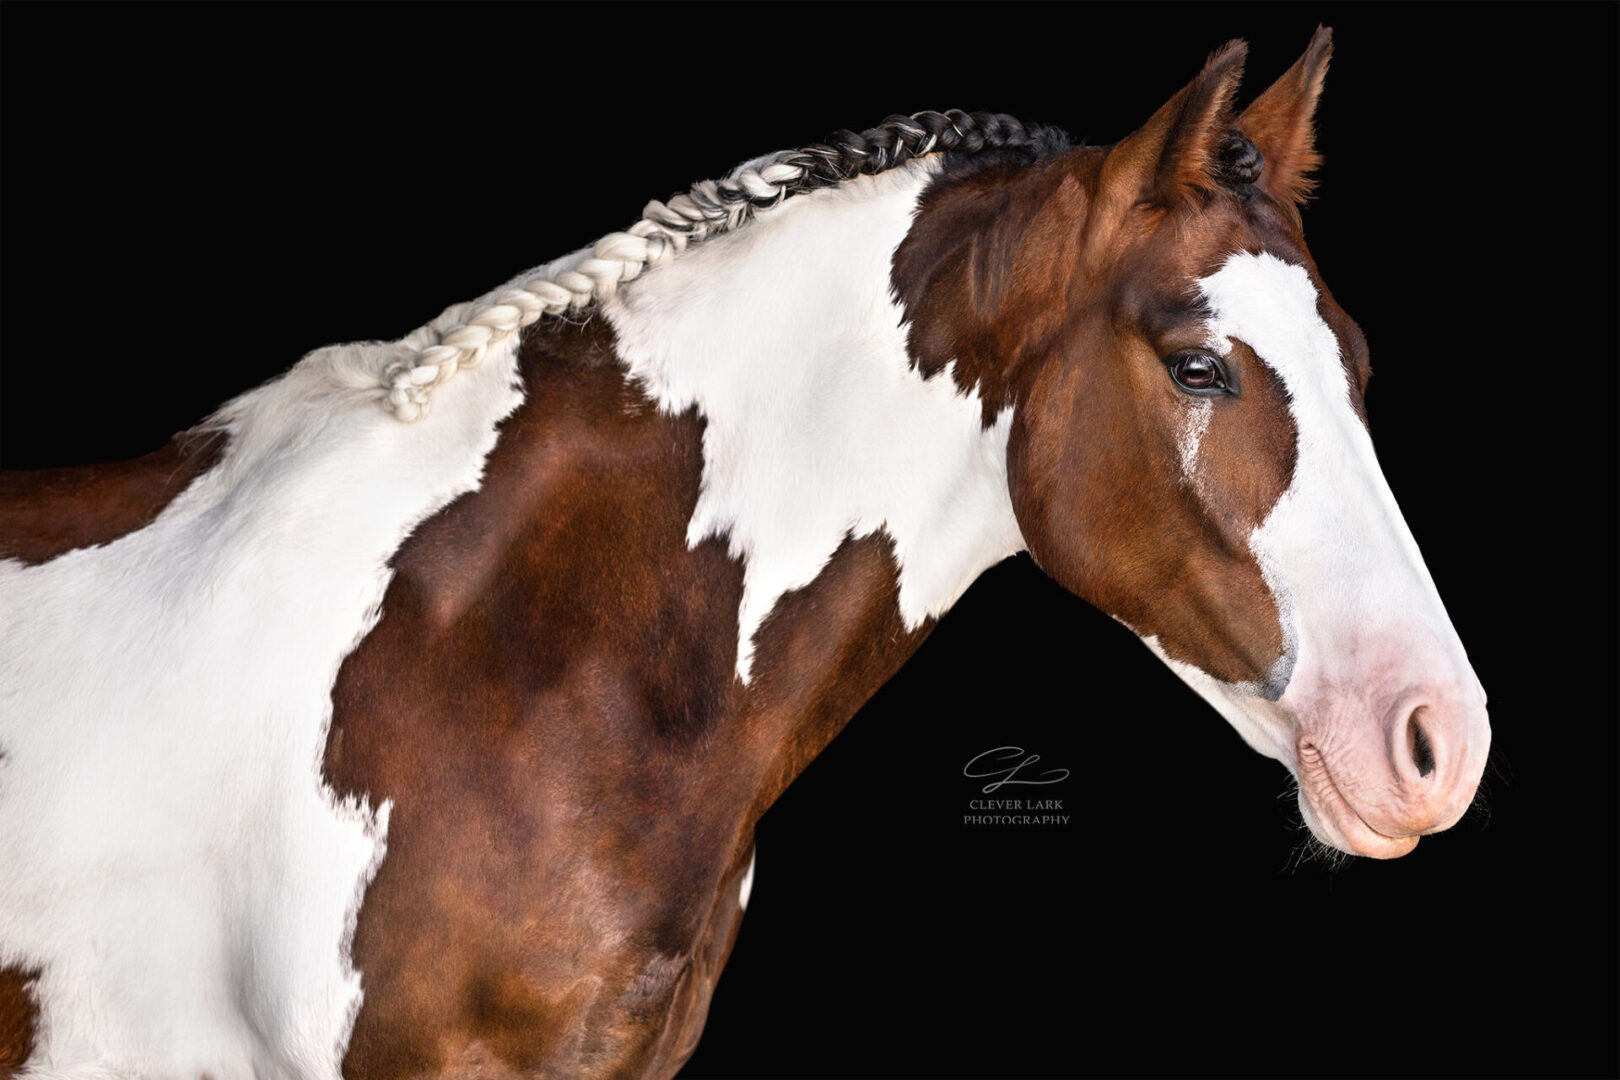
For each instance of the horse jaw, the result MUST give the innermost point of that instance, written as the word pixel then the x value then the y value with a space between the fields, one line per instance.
pixel 1373 705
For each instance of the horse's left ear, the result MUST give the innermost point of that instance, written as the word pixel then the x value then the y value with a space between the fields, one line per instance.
pixel 1279 123
pixel 1171 158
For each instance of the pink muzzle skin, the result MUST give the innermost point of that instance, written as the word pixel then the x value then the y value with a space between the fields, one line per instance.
pixel 1393 755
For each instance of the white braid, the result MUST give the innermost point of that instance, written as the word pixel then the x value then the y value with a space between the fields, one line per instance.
pixel 578 280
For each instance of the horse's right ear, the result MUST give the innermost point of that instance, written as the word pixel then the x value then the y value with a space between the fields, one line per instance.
pixel 1171 158
pixel 1279 122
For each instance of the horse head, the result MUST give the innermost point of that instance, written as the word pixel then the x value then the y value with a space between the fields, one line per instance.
pixel 1190 450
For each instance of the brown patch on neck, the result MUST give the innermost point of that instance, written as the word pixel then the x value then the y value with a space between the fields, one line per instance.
pixel 19 1018
pixel 986 271
pixel 550 702
pixel 809 679
pixel 49 512
pixel 547 701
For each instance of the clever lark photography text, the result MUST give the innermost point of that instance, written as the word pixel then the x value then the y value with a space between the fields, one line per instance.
pixel 1012 765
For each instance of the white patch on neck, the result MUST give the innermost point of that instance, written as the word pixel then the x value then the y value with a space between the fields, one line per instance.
pixel 786 338
pixel 173 862
pixel 1335 550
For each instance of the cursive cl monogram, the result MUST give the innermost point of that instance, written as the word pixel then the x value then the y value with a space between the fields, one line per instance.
pixel 1004 763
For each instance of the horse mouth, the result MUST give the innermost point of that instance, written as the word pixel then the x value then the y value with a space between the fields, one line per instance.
pixel 1333 820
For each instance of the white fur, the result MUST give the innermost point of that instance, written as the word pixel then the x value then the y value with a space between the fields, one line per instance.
pixel 582 278
pixel 747 888
pixel 786 339
pixel 172 862
pixel 1335 550
pixel 1193 427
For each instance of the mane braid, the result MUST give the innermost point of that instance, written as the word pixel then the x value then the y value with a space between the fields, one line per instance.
pixel 708 208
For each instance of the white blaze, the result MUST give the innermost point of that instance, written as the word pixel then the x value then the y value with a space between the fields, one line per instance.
pixel 1335 550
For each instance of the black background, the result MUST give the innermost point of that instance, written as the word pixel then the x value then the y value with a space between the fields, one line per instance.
pixel 195 196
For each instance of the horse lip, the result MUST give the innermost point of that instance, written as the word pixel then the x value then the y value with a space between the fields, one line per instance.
pixel 1336 817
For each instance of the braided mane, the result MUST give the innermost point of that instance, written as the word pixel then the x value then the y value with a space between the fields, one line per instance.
pixel 708 208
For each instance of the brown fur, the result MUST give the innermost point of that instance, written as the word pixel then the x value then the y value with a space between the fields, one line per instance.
pixel 549 701
pixel 1280 123
pixel 1170 160
pixel 46 512
pixel 19 1018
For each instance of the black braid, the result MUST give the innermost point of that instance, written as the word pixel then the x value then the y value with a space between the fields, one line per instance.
pixel 899 139
pixel 847 154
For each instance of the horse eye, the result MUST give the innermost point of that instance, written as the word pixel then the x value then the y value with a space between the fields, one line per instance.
pixel 1197 372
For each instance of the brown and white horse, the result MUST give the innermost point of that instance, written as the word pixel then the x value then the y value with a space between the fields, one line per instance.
pixel 484 691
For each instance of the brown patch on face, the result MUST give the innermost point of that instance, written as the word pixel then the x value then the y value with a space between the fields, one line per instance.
pixel 1353 349
pixel 19 1018
pixel 1221 616
pixel 1094 457
pixel 549 701
pixel 1100 493
pixel 48 512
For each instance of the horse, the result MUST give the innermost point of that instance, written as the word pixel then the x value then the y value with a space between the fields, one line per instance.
pixel 412 714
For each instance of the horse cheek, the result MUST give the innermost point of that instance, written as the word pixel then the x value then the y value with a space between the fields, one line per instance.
pixel 1071 442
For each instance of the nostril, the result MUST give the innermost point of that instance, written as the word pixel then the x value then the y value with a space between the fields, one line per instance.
pixel 1418 745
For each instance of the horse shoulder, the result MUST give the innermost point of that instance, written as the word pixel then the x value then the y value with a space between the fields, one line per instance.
pixel 544 704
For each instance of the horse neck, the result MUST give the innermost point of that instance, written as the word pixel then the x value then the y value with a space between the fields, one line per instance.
pixel 786 339
pixel 735 572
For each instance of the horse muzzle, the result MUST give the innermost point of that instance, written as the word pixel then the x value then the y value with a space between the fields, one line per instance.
pixel 1373 780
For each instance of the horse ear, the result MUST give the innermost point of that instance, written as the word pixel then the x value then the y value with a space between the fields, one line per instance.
pixel 1279 123
pixel 1171 158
